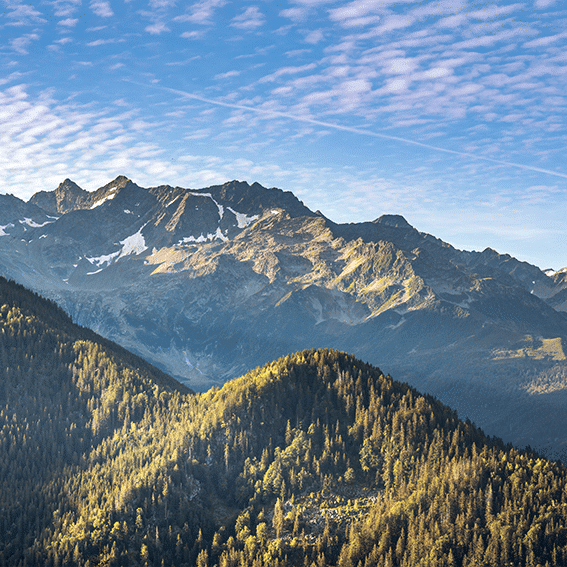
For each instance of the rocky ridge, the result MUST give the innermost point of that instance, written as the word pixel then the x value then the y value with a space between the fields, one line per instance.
pixel 208 283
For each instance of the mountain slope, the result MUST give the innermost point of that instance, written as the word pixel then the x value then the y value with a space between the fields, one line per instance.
pixel 208 283
pixel 314 459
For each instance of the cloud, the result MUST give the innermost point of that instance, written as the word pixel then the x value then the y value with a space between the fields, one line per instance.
pixel 111 40
pixel 287 71
pixel 275 113
pixel 69 22
pixel 227 75
pixel 44 141
pixel 64 8
pixel 192 35
pixel 23 14
pixel 452 82
pixel 250 19
pixel 314 37
pixel 295 14
pixel 439 8
pixel 20 44
pixel 101 8
pixel 488 40
pixel 201 12
pixel 363 12
pixel 161 4
pixel 12 77
pixel 396 22
pixel 494 12
pixel 545 41
pixel 157 28
pixel 452 22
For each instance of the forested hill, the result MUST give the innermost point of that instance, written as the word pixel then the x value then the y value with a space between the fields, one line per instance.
pixel 316 459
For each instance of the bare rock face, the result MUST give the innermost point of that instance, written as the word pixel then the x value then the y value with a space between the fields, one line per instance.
pixel 208 283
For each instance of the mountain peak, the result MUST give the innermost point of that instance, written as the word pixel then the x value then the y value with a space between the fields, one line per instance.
pixel 69 186
pixel 119 182
pixel 62 200
pixel 251 199
pixel 396 221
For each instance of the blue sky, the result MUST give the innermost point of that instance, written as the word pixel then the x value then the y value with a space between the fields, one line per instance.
pixel 451 113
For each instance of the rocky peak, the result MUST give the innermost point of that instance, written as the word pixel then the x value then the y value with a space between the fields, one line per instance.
pixel 107 192
pixel 254 199
pixel 67 197
pixel 395 221
pixel 119 183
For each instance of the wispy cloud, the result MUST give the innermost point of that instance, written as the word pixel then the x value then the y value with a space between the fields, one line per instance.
pixel 227 75
pixel 192 34
pixel 271 113
pixel 287 71
pixel 101 8
pixel 23 14
pixel 314 37
pixel 108 41
pixel 296 14
pixel 44 141
pixel 157 28
pixel 494 12
pixel 162 4
pixel 541 4
pixel 201 12
pixel 69 22
pixel 20 44
pixel 250 19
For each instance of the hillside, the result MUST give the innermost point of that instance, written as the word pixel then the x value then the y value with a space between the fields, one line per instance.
pixel 314 459
pixel 209 283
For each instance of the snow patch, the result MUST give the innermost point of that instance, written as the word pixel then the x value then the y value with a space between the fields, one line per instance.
pixel 188 239
pixel 103 200
pixel 398 324
pixel 2 233
pixel 242 219
pixel 219 206
pixel 171 202
pixel 218 235
pixel 100 260
pixel 134 244
pixel 34 224
pixel 91 273
pixel 128 212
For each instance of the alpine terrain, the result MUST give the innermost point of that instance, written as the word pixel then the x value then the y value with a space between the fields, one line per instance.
pixel 207 284
pixel 316 459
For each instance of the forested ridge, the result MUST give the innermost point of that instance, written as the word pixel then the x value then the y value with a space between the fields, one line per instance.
pixel 316 459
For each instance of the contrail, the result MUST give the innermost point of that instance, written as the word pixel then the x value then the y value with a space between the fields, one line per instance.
pixel 361 131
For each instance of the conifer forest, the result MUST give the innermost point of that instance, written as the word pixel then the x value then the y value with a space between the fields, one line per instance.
pixel 316 459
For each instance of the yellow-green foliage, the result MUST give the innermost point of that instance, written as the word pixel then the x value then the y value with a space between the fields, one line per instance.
pixel 315 459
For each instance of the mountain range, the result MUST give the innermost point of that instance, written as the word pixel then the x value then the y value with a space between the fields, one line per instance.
pixel 209 283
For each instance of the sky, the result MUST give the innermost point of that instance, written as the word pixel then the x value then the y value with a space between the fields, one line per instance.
pixel 450 113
